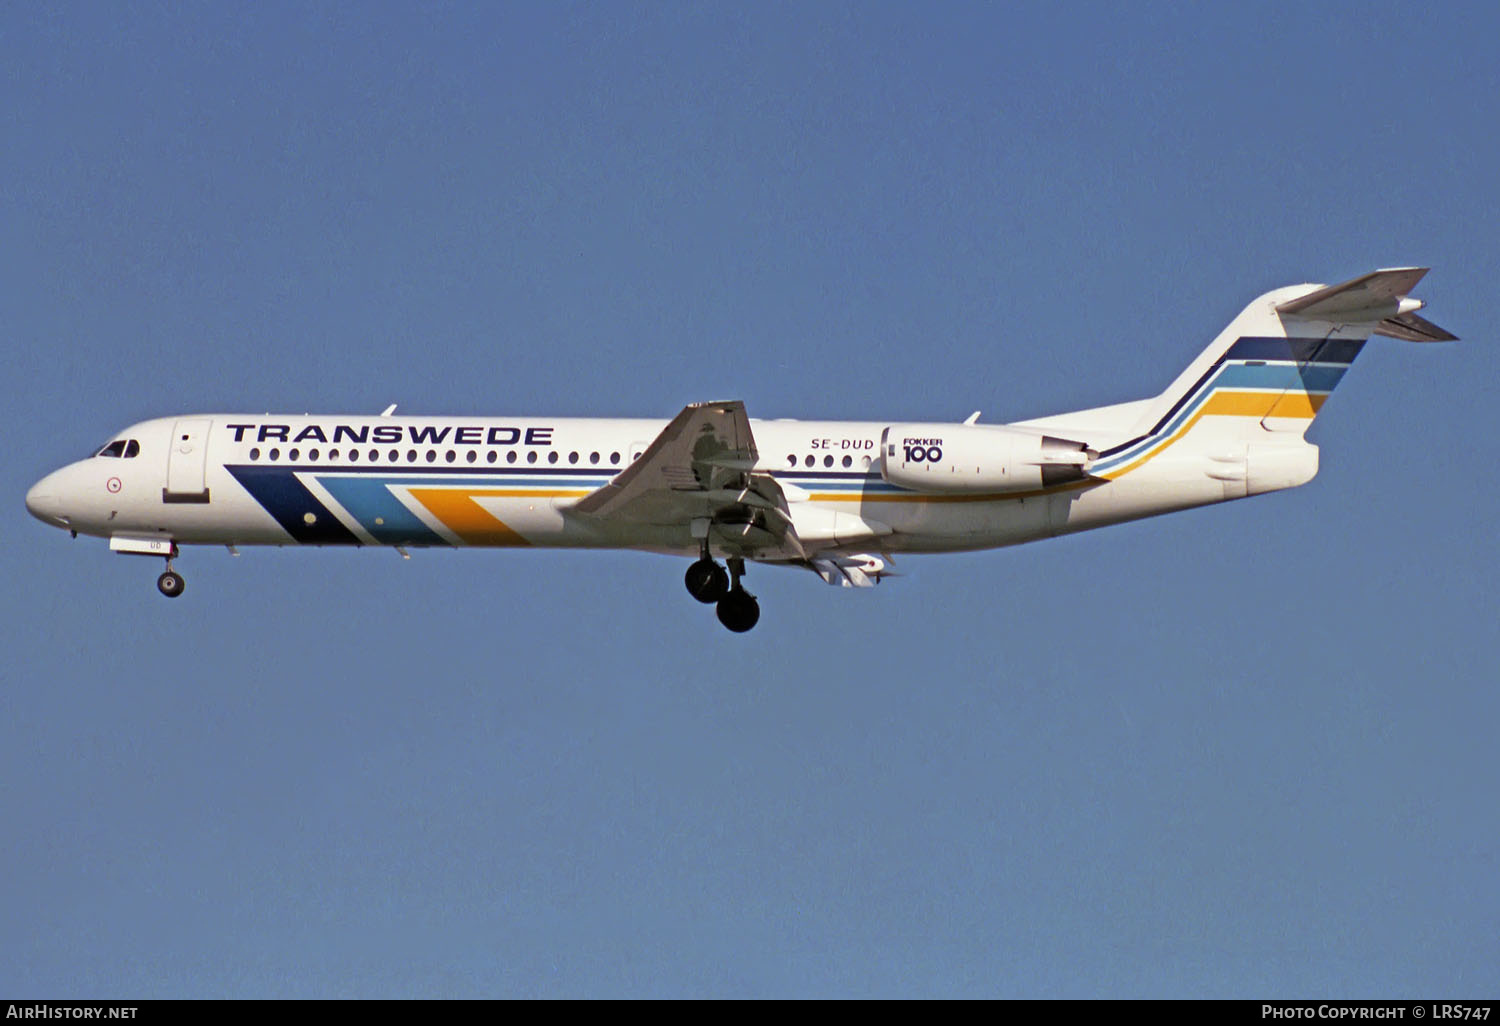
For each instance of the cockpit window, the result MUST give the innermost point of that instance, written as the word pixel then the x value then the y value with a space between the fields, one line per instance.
pixel 121 448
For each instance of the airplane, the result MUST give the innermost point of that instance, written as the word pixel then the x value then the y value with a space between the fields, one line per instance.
pixel 839 498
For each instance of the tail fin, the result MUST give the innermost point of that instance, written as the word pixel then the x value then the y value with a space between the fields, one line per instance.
pixel 1269 372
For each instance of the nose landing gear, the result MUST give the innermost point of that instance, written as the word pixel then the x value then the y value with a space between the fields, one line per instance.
pixel 170 583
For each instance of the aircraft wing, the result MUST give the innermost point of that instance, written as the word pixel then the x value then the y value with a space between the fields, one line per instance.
pixel 701 467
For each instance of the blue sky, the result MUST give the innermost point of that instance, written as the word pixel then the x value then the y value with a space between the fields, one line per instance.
pixel 1240 751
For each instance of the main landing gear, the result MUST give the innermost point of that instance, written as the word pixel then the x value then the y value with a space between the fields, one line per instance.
pixel 708 582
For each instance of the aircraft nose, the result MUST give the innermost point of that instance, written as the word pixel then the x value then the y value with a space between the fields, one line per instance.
pixel 42 500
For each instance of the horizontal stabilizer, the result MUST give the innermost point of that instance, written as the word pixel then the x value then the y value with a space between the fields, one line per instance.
pixel 1411 328
pixel 1379 292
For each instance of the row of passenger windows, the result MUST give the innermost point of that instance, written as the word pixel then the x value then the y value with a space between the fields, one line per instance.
pixel 812 461
pixel 122 448
pixel 128 448
pixel 451 456
pixel 470 456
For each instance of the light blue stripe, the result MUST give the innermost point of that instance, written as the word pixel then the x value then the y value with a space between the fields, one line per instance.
pixel 368 499
pixel 1285 376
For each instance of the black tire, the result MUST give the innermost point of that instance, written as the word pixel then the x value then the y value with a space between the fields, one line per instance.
pixel 706 581
pixel 739 611
pixel 170 584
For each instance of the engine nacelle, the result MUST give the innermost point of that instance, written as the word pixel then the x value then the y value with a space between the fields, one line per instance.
pixel 978 458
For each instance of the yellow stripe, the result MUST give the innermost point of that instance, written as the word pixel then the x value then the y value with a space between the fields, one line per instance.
pixel 1235 404
pixel 466 518
pixel 1297 404
pixel 1263 404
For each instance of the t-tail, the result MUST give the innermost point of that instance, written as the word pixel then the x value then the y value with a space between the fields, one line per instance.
pixel 1245 403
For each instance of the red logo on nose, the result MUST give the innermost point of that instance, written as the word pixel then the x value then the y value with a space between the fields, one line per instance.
pixel 113 484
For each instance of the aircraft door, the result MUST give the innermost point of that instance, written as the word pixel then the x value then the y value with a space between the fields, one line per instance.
pixel 187 462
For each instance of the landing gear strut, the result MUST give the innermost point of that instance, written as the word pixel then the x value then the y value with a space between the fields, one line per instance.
pixel 738 609
pixel 170 583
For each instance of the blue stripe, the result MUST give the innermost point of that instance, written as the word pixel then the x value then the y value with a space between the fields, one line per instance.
pixel 478 472
pixel 369 500
pixel 797 475
pixel 288 500
pixel 1301 350
pixel 480 480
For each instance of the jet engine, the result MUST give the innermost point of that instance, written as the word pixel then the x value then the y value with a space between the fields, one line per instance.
pixel 979 458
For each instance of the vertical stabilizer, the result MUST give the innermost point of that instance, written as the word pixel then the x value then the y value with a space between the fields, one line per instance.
pixel 1268 374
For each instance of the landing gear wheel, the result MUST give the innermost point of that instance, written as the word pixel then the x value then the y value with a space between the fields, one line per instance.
pixel 170 584
pixel 739 611
pixel 706 581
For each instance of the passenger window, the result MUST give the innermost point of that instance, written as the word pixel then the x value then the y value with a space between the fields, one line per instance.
pixel 471 456
pixel 614 458
pixel 572 457
pixel 593 457
pixel 808 461
pixel 531 456
pixel 450 456
pixel 431 455
pixel 411 455
pixel 510 457
pixel 275 455
pixel 848 461
pixel 312 454
pixel 552 456
pixel 394 456
pixel 353 455
pixel 292 454
pixel 254 454
pixel 791 460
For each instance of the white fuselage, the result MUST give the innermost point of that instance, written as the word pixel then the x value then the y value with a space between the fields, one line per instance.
pixel 261 479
